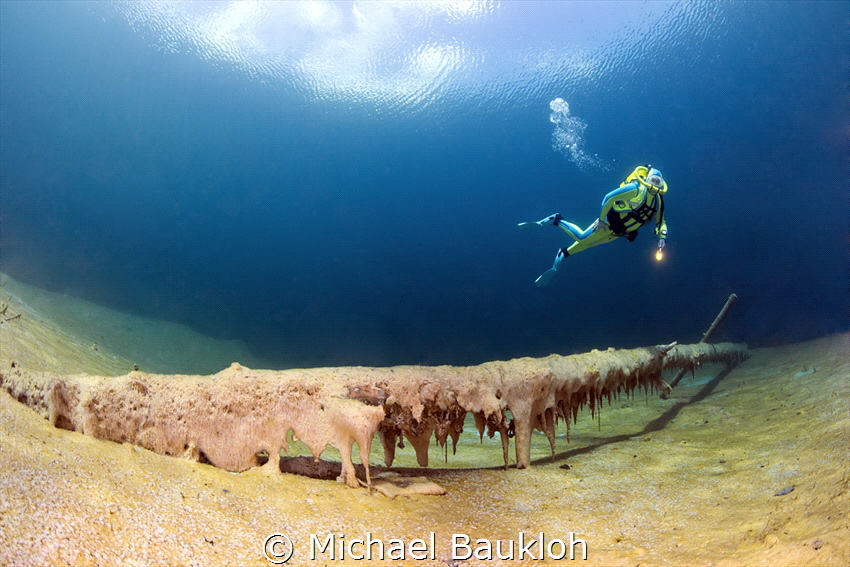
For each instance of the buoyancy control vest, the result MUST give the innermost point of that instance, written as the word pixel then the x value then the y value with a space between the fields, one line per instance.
pixel 626 216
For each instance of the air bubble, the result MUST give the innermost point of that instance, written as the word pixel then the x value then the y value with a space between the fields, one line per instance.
pixel 568 136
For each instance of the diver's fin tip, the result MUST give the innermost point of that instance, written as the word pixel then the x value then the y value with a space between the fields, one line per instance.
pixel 545 277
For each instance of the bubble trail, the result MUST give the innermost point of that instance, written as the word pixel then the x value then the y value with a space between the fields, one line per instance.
pixel 568 136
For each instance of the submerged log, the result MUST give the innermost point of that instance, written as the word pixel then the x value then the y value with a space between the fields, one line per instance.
pixel 229 419
pixel 705 338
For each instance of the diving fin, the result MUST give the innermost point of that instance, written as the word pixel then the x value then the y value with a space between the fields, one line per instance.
pixel 550 220
pixel 545 277
pixel 527 224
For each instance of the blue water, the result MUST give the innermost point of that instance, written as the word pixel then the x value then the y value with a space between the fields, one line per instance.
pixel 340 183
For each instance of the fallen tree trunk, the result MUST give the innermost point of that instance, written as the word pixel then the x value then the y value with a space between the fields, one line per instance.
pixel 705 338
pixel 230 418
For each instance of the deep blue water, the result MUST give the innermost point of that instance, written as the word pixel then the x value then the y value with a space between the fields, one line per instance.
pixel 340 183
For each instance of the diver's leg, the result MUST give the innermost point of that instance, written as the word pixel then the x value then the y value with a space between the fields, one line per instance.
pixel 600 235
pixel 595 234
pixel 568 227
pixel 574 230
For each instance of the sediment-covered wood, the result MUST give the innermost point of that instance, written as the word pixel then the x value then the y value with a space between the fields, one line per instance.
pixel 230 418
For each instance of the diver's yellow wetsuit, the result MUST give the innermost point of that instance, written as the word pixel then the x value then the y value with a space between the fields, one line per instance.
pixel 638 200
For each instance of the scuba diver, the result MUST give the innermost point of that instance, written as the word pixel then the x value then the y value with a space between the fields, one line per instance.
pixel 624 210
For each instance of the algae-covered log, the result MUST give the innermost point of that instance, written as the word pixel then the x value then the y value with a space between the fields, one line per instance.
pixel 229 418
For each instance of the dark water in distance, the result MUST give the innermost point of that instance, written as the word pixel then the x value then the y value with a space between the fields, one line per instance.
pixel 340 183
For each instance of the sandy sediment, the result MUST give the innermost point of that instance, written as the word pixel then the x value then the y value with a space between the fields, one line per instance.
pixel 748 467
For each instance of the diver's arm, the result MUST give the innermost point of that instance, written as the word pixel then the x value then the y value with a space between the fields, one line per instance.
pixel 661 222
pixel 661 233
pixel 623 193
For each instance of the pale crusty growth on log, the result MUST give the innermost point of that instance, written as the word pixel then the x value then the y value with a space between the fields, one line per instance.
pixel 229 418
